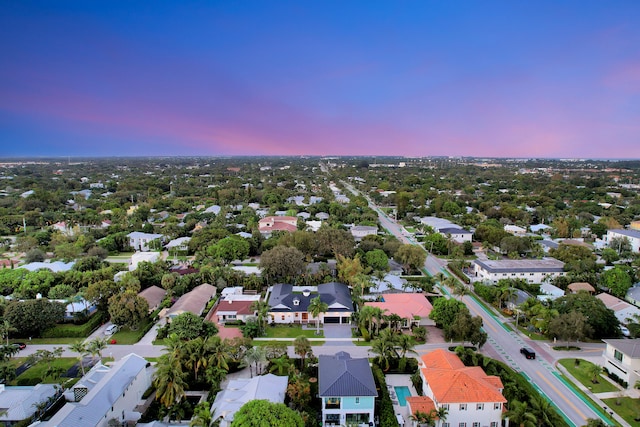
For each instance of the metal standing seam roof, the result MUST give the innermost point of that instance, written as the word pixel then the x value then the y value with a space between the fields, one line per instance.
pixel 340 375
pixel 93 407
pixel 336 295
pixel 629 347
pixel 629 233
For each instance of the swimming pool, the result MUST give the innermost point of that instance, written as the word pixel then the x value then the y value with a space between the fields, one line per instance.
pixel 402 392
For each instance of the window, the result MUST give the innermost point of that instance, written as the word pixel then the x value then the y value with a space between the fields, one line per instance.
pixel 480 407
pixel 446 406
pixel 476 424
pixel 463 406
pixel 462 425
pixel 497 406
pixel 283 317
pixel 446 425
pixel 494 424
pixel 357 400
pixel 617 355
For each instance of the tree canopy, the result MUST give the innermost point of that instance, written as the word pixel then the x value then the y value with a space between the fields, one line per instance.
pixel 262 413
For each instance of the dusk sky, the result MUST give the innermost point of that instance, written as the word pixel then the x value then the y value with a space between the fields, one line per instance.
pixel 415 78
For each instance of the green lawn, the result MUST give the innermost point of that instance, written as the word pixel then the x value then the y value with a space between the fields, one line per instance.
pixel 629 408
pixel 533 335
pixel 581 374
pixel 35 374
pixel 292 332
pixel 127 336
pixel 262 343
pixel 50 341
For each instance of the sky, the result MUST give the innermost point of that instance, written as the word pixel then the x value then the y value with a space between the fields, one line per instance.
pixel 554 79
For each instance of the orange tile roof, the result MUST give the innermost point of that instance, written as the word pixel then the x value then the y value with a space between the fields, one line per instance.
pixel 441 359
pixel 420 403
pixel 405 305
pixel 452 382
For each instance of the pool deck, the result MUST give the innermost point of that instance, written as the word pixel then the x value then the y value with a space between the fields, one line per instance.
pixel 394 380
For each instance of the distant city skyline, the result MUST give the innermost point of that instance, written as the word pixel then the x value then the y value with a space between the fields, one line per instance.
pixel 373 78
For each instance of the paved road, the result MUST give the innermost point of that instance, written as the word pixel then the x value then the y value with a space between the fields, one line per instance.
pixel 504 344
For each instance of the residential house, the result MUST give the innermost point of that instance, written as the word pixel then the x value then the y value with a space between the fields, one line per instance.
pixel 106 393
pixel 56 266
pixel 289 304
pixel 347 390
pixel 549 292
pixel 531 270
pixel 391 283
pixel 515 230
pixel 234 304
pixel 471 397
pixel 622 358
pixel 194 302
pixel 140 241
pixel 269 224
pixel 179 245
pixel 457 234
pixel 623 310
pixel 138 257
pixel 154 295
pixel 360 231
pixel 240 391
pixel 633 294
pixel 633 236
pixel 414 309
pixel 576 287
pixel 21 402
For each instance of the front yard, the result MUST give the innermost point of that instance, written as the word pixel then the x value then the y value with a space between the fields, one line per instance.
pixel 292 331
pixel 629 408
pixel 582 373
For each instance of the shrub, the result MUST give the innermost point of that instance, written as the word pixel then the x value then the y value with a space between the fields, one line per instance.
pixel 385 408
pixel 75 331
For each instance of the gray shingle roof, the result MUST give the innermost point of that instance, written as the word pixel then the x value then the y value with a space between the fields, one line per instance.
pixel 340 375
pixel 336 295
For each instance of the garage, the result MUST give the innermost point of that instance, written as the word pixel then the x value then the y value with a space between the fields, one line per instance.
pixel 331 319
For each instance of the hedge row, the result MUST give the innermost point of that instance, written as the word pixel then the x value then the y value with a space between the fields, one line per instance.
pixel 75 331
pixel 458 272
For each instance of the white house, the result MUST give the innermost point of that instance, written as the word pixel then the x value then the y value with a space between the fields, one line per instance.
pixel 138 257
pixel 622 309
pixel 633 236
pixel 360 231
pixel 515 230
pixel 19 403
pixel 531 270
pixel 549 292
pixel 240 391
pixel 106 393
pixel 471 397
pixel 140 241
pixel 181 244
pixel 457 234
pixel 622 358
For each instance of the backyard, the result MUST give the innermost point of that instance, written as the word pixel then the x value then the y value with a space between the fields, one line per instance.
pixel 583 373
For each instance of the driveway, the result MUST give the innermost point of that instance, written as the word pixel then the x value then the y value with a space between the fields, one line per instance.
pixel 337 331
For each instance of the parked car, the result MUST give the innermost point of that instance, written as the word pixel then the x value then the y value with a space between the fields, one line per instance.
pixel 19 345
pixel 111 329
pixel 625 331
pixel 528 353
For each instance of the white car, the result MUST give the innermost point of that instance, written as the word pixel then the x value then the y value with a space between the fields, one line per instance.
pixel 111 329
pixel 625 331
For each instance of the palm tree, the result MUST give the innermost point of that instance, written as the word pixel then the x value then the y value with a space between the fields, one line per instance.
pixel 519 414
pixel 317 306
pixel 218 352
pixel 197 355
pixel 5 329
pixel 280 365
pixel 365 316
pixel 384 347
pixel 169 380
pixel 302 347
pixel 261 311
pixel 253 357
pixel 594 372
pixel 80 348
pixel 96 345
pixel 377 313
pixel 441 413
pixel 423 418
pixel 460 290
pixel 202 416
pixel 544 411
